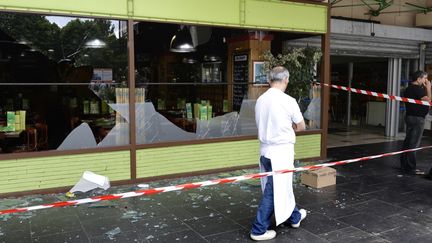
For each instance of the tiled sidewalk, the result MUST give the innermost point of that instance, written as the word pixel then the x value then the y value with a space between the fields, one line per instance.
pixel 372 202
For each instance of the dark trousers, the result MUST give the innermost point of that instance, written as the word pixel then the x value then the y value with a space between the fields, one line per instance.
pixel 266 207
pixel 414 132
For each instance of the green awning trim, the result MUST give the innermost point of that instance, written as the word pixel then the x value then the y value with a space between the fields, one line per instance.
pixel 252 14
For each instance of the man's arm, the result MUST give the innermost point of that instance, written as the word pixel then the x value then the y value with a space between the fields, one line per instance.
pixel 298 127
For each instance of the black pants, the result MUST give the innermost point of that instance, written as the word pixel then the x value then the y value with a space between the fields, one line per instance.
pixel 414 132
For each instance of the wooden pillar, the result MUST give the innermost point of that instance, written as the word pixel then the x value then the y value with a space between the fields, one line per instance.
pixel 254 47
pixel 325 78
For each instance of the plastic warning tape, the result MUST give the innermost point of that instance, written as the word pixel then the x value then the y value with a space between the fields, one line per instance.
pixel 198 184
pixel 381 95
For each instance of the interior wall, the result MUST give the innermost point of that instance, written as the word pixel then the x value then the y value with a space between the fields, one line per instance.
pixel 399 13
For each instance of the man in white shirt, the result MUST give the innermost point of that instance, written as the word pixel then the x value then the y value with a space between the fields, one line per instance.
pixel 277 117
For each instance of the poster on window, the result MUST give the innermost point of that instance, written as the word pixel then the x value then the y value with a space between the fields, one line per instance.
pixel 102 75
pixel 259 75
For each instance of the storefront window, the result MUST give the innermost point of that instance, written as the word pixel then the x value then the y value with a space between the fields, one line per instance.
pixel 63 83
pixel 198 82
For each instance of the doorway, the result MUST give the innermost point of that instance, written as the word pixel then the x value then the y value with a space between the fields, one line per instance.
pixel 356 118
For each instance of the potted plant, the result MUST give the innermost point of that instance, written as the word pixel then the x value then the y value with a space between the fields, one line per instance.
pixel 301 64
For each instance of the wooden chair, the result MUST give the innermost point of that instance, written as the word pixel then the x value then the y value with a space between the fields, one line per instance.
pixel 29 141
pixel 42 130
pixel 32 139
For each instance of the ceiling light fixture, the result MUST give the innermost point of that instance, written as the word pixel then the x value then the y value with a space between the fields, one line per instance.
pixel 182 41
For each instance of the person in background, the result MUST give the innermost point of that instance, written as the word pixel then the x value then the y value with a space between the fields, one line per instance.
pixel 419 89
pixel 277 117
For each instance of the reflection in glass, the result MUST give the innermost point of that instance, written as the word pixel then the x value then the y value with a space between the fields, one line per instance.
pixel 211 92
pixel 59 76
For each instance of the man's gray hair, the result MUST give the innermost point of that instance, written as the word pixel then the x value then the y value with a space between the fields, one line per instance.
pixel 278 74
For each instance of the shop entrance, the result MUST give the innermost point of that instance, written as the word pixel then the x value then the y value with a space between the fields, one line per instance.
pixel 354 117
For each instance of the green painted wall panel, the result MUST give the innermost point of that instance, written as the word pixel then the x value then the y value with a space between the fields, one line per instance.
pixel 286 15
pixel 257 14
pixel 57 171
pixel 207 11
pixel 308 146
pixel 189 158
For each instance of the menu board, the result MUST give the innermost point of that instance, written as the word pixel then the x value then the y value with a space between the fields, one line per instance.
pixel 240 79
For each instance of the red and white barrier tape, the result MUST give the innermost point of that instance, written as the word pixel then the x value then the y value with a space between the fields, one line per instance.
pixel 197 184
pixel 381 95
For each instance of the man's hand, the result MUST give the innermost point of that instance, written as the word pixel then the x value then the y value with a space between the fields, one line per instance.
pixel 427 86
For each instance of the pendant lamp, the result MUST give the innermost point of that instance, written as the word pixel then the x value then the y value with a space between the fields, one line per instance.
pixel 182 41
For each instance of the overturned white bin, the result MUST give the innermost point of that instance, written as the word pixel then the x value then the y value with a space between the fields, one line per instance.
pixel 90 181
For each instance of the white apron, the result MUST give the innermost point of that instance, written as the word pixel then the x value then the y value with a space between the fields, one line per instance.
pixel 282 157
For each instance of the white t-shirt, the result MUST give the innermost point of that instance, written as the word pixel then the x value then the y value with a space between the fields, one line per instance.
pixel 275 112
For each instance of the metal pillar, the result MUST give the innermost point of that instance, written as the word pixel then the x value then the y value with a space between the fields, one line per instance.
pixel 407 69
pixel 393 88
pixel 422 58
pixel 415 65
pixel 350 78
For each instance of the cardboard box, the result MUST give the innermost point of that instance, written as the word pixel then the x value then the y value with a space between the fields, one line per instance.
pixel 319 178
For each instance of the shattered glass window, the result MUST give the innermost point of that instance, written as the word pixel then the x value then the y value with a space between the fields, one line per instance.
pixel 63 83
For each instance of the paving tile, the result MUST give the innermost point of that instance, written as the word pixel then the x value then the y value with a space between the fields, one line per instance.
pixel 306 196
pixel 419 202
pixel 238 211
pixel 333 209
pixel 186 212
pixel 392 196
pixel 371 223
pixel 186 236
pixel 422 239
pixel 99 226
pixel 246 223
pixel 372 239
pixel 416 218
pixel 369 179
pixel 14 224
pixel 145 207
pixel 85 212
pixel 240 235
pixel 423 185
pixel 318 224
pixel 359 187
pixel 346 235
pixel 405 233
pixel 380 208
pixel 288 234
pixel 60 212
pixel 400 179
pixel 284 234
pixel 212 225
pixel 153 227
pixel 69 237
pixel 123 236
pixel 49 224
pixel 15 236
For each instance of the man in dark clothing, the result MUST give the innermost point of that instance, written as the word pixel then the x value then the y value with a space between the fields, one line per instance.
pixel 419 89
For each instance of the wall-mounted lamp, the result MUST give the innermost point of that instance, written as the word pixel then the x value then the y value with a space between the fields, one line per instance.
pixel 182 41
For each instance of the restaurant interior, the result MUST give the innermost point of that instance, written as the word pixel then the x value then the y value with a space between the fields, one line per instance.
pixel 64 81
